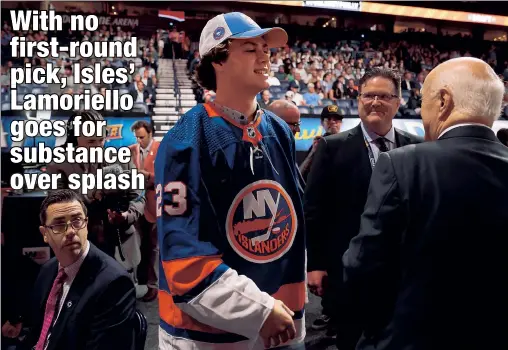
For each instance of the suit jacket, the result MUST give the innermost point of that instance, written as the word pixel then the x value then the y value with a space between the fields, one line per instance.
pixel 429 264
pixel 403 85
pixel 148 165
pixel 99 311
pixel 335 195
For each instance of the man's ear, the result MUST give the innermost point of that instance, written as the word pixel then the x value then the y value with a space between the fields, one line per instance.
pixel 218 66
pixel 446 103
pixel 42 229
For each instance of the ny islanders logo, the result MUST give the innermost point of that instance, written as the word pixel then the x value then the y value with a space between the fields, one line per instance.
pixel 261 223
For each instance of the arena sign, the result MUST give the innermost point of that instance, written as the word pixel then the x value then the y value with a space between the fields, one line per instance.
pixel 338 5
pixel 106 20
pixel 396 10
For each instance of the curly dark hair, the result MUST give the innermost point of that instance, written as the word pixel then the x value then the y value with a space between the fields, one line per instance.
pixel 388 73
pixel 205 73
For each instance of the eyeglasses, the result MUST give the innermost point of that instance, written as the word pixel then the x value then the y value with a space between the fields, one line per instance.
pixel 76 224
pixel 367 97
pixel 295 125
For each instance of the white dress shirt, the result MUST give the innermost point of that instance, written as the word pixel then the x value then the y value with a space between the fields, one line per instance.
pixel 459 125
pixel 371 138
pixel 71 271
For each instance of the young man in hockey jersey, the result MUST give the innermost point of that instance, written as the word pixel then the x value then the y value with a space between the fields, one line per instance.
pixel 230 217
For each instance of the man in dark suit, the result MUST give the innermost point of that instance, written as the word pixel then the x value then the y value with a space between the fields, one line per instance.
pixel 408 84
pixel 428 267
pixel 337 189
pixel 83 299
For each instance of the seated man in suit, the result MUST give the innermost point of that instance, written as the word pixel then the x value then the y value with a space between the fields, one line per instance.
pixel 83 299
pixel 408 84
pixel 427 269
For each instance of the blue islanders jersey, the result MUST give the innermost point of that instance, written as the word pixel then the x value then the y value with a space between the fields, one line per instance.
pixel 230 228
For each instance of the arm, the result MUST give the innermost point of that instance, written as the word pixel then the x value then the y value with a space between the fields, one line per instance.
pixel 371 262
pixel 136 206
pixel 316 215
pixel 200 283
pixel 112 325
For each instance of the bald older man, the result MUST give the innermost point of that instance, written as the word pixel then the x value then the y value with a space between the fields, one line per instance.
pixel 289 112
pixel 428 269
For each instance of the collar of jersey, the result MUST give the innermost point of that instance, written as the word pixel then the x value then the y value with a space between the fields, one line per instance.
pixel 214 110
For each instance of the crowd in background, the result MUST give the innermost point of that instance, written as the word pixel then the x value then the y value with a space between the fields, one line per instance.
pixel 313 74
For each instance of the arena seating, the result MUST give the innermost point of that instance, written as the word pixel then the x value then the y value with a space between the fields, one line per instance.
pixel 174 95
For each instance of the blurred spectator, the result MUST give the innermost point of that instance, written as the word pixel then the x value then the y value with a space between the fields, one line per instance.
pixel 281 73
pixel 297 97
pixel 338 91
pixel 146 79
pixel 351 92
pixel 5 79
pixel 142 94
pixel 299 81
pixel 265 99
pixel 331 121
pixel 415 101
pixel 407 83
pixel 194 61
pixel 272 80
pixel 289 96
pixel 311 98
pixel 420 78
pixel 148 67
pixel 186 43
pixel 327 83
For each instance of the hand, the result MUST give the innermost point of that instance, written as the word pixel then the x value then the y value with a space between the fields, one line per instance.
pixel 148 178
pixel 315 282
pixel 11 331
pixel 315 142
pixel 145 173
pixel 279 326
pixel 116 218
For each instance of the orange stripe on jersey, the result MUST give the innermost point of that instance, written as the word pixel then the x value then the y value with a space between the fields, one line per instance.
pixel 184 274
pixel 250 131
pixel 210 110
pixel 172 315
pixel 293 295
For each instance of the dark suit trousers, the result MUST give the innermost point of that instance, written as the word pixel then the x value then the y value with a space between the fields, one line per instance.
pixel 147 269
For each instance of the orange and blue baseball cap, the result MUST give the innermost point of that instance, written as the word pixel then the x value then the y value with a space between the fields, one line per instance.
pixel 236 25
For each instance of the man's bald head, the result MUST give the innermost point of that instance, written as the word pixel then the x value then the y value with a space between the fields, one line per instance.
pixel 460 90
pixel 287 111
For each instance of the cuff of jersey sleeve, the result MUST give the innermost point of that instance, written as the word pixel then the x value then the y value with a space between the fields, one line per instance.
pixel 232 303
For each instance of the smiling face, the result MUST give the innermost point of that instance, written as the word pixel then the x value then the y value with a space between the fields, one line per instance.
pixel 248 64
pixel 378 103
